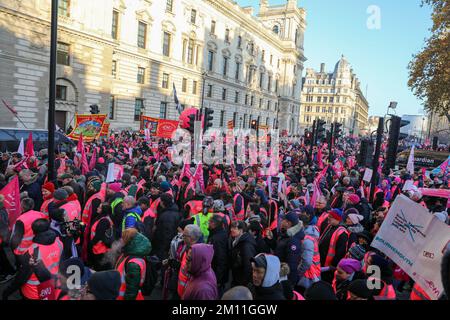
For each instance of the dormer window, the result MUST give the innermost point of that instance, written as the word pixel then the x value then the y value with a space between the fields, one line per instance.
pixel 276 29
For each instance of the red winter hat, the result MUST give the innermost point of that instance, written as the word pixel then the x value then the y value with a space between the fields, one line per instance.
pixel 101 160
pixel 354 199
pixel 336 214
pixel 49 186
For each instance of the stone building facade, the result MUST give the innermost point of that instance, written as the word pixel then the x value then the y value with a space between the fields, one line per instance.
pixel 334 97
pixel 126 56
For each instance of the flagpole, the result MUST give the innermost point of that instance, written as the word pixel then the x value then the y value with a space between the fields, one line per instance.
pixel 52 91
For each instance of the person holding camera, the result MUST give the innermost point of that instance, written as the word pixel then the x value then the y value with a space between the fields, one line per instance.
pixel 45 246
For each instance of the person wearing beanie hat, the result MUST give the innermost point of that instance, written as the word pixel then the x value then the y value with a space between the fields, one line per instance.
pixel 266 278
pixel 48 189
pixel 103 285
pixel 44 240
pixel 356 252
pixel 332 243
pixel 115 187
pixel 289 243
pixel 358 290
pixel 60 195
pixel 165 186
pixel 320 291
pixel 354 227
pixel 347 270
pixel 354 199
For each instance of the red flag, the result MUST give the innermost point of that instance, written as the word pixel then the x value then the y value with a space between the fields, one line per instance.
pixel 198 176
pixel 9 107
pixel 12 200
pixel 29 148
pixel 93 160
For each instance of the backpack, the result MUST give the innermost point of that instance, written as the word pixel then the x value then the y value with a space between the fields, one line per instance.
pixel 152 268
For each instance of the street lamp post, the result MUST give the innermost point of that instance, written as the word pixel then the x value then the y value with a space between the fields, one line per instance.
pixel 52 91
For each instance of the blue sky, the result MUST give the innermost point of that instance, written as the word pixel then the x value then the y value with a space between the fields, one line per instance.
pixel 379 57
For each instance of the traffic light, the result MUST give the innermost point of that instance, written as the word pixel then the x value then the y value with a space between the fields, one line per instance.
pixel 191 123
pixel 321 135
pixel 208 122
pixel 394 137
pixel 365 153
pixel 254 125
pixel 337 131
pixel 94 109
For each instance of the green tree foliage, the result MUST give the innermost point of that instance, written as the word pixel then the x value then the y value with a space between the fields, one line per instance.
pixel 429 71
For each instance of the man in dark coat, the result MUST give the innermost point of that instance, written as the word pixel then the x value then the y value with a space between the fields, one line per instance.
pixel 289 244
pixel 165 227
pixel 242 249
pixel 31 184
pixel 218 238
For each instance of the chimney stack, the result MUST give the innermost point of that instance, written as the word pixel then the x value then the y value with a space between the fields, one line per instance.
pixel 322 68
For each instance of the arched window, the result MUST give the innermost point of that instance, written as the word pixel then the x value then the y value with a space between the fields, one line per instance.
pixel 276 29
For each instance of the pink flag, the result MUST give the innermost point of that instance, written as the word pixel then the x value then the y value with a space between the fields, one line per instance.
pixel 84 162
pixel 80 143
pixel 316 189
pixel 338 167
pixel 319 158
pixel 62 166
pixel 29 148
pixel 198 176
pixel 12 200
pixel 93 160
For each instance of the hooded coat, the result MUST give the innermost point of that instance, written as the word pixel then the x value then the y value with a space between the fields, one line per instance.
pixel 203 284
pixel 241 251
pixel 218 238
pixel 270 288
pixel 140 247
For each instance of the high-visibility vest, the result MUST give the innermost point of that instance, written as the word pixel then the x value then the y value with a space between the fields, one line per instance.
pixel 224 216
pixel 73 210
pixel 417 293
pixel 183 277
pixel 134 214
pixel 50 256
pixel 44 206
pixel 27 240
pixel 388 291
pixel 332 247
pixel 322 218
pixel 154 204
pixel 99 247
pixel 314 270
pixel 194 207
pixel 86 215
pixel 149 213
pixel 120 266
pixel 115 203
pixel 202 221
pixel 238 215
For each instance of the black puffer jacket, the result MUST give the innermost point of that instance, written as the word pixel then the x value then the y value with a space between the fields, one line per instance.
pixel 241 251
pixel 165 230
pixel 218 238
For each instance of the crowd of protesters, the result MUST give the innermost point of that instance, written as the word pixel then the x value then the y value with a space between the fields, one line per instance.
pixel 231 239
